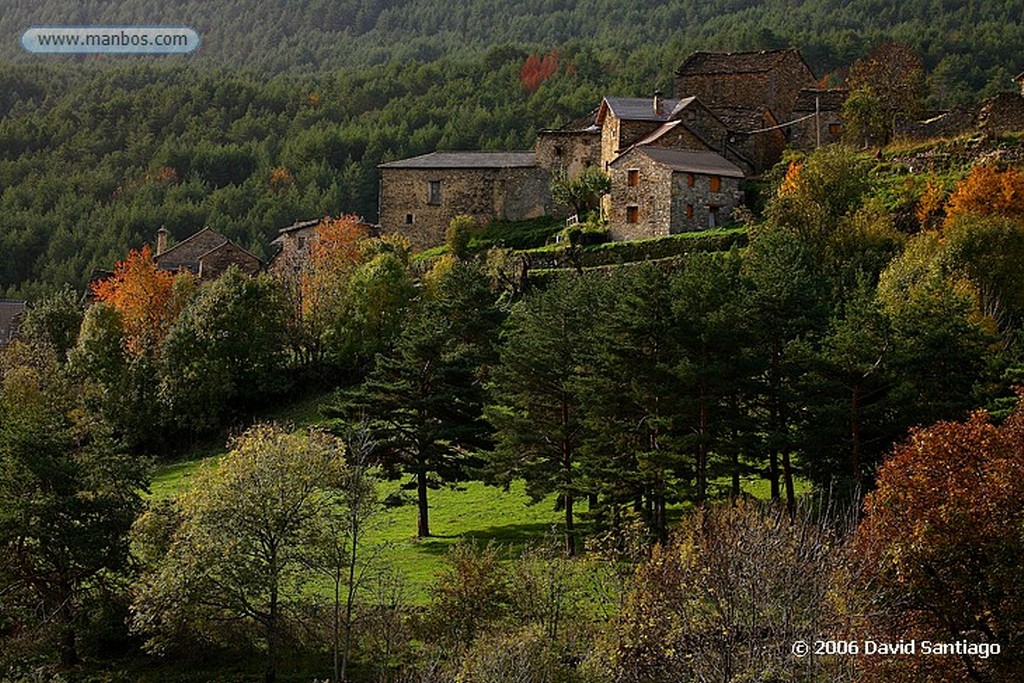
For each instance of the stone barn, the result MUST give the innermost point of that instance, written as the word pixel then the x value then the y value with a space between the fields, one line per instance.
pixel 420 196
pixel 657 192
pixel 206 254
pixel 822 113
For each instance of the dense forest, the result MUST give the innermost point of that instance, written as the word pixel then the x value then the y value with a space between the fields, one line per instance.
pixel 970 45
pixel 96 154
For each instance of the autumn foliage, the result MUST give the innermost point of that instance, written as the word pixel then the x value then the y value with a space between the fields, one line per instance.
pixel 146 297
pixel 337 248
pixel 537 69
pixel 987 191
pixel 942 539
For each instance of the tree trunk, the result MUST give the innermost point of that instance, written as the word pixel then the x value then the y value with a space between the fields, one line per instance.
pixel 773 473
pixel 69 649
pixel 787 473
pixel 271 673
pixel 423 523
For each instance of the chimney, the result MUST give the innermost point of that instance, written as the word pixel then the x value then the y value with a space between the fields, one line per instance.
pixel 657 103
pixel 161 240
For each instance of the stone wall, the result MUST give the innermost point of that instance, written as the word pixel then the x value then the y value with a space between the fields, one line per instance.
pixel 949 124
pixel 1003 113
pixel 777 90
pixel 804 135
pixel 617 135
pixel 651 196
pixel 568 152
pixel 484 194
pixel 186 253
pixel 215 263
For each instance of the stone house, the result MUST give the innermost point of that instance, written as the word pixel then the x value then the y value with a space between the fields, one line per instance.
pixel 657 192
pixel 819 118
pixel 207 254
pixel 11 313
pixel 420 196
pixel 571 148
pixel 292 244
pixel 746 80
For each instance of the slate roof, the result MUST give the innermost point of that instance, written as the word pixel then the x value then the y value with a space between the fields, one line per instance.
pixel 741 120
pixel 178 256
pixel 11 311
pixel 718 63
pixel 690 161
pixel 636 109
pixel 452 160
pixel 831 99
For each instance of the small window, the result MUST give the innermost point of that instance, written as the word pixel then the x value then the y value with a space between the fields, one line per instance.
pixel 713 216
pixel 434 192
pixel 632 214
pixel 835 129
pixel 408 219
pixel 558 151
pixel 633 176
pixel 689 180
pixel 689 210
pixel 715 183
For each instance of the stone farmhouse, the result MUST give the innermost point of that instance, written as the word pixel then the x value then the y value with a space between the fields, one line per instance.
pixel 420 196
pixel 681 190
pixel 206 254
pixel 675 164
pixel 293 243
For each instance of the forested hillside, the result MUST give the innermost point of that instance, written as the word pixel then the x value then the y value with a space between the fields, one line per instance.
pixel 970 45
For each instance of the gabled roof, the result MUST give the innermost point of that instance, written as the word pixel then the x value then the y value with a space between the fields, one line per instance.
pixel 442 160
pixel 11 311
pixel 828 99
pixel 300 225
pixel 1019 77
pixel 178 257
pixel 688 161
pixel 228 244
pixel 635 109
pixel 719 63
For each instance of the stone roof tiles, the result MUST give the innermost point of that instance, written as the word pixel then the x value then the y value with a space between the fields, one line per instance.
pixel 718 63
pixel 690 161
pixel 454 160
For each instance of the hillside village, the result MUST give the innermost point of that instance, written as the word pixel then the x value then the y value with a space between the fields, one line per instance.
pixel 675 164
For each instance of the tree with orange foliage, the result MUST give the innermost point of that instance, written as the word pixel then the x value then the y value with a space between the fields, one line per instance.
pixel 537 69
pixel 987 191
pixel 942 546
pixel 337 247
pixel 147 298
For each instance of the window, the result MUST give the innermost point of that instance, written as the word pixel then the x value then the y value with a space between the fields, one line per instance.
pixel 715 183
pixel 408 219
pixel 434 192
pixel 632 214
pixel 558 151
pixel 689 180
pixel 835 129
pixel 633 176
pixel 689 210
pixel 713 216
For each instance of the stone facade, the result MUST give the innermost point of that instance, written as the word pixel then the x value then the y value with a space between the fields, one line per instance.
pixel 420 196
pixel 658 192
pixel 745 80
pixel 824 107
pixel 569 151
pixel 207 254
pixel 949 124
